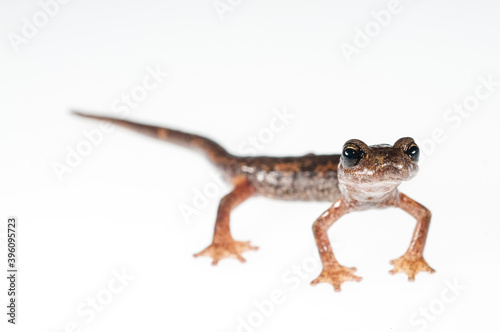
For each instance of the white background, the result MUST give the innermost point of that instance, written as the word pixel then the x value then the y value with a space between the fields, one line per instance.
pixel 120 208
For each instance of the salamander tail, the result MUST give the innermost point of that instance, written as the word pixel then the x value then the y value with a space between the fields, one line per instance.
pixel 215 153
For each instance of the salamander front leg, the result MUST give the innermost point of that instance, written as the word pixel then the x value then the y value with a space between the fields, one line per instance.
pixel 413 262
pixel 223 244
pixel 333 272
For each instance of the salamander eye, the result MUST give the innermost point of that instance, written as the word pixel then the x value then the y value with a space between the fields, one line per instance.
pixel 413 152
pixel 351 154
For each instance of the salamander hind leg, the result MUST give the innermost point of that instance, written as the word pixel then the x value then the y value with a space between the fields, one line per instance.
pixel 223 245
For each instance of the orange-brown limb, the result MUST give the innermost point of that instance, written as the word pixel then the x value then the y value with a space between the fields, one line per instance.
pixel 332 272
pixel 223 244
pixel 413 262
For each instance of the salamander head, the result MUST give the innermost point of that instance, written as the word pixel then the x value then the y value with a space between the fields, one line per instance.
pixel 373 173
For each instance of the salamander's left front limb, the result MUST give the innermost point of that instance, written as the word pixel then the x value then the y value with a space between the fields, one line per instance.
pixel 333 272
pixel 413 262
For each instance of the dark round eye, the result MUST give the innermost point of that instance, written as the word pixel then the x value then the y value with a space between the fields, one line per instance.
pixel 413 152
pixel 351 155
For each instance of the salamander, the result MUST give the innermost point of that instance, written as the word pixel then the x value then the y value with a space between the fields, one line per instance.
pixel 361 177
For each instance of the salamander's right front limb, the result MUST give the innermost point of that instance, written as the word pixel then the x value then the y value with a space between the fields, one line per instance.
pixel 333 272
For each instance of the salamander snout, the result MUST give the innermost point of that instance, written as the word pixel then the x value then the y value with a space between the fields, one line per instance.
pixel 378 164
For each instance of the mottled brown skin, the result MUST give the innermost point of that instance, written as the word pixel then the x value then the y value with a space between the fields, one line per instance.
pixel 369 183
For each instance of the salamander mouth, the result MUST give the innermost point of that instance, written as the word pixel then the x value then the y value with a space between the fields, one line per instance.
pixel 374 181
pixel 385 175
pixel 374 187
